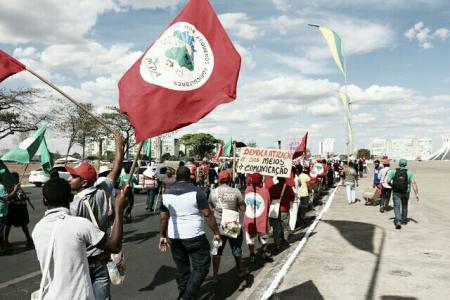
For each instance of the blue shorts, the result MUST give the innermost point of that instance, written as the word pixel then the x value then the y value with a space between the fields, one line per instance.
pixel 235 244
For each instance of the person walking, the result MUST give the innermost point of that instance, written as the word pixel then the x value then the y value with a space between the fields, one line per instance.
pixel 62 238
pixel 18 213
pixel 182 230
pixel 281 198
pixel 96 193
pixel 5 197
pixel 150 185
pixel 257 199
pixel 351 182
pixel 386 189
pixel 303 194
pixel 122 182
pixel 401 180
pixel 376 184
pixel 226 202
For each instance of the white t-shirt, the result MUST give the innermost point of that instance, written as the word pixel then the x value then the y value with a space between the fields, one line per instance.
pixel 69 270
pixel 382 176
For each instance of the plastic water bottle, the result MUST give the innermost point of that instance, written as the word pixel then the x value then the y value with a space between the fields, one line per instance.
pixel 215 247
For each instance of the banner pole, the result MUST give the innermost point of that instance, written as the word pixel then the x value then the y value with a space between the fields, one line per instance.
pixel 234 162
pixel 133 166
pixel 102 122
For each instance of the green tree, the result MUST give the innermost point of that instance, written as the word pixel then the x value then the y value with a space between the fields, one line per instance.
pixel 363 152
pixel 200 143
pixel 18 113
pixel 120 122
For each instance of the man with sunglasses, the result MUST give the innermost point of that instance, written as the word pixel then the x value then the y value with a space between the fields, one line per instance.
pixel 97 192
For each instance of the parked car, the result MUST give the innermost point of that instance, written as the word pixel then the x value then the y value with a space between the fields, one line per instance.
pixel 138 187
pixel 38 178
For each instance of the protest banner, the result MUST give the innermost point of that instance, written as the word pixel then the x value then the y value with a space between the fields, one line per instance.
pixel 271 162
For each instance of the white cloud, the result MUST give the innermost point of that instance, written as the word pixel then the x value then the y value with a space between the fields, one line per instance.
pixel 425 36
pixel 238 24
pixel 282 5
pixel 50 21
pixel 376 94
pixel 246 55
pixel 149 4
pixel 324 109
pixel 364 118
pixel 285 23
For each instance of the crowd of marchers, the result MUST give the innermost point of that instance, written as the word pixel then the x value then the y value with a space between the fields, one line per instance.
pixel 82 229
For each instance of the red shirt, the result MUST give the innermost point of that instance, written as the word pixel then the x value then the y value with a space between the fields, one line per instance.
pixel 288 196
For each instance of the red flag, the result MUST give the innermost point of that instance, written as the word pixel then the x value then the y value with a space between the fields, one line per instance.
pixel 9 65
pixel 257 201
pixel 188 71
pixel 301 148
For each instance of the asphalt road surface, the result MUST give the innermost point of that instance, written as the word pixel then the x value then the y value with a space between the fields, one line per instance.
pixel 150 274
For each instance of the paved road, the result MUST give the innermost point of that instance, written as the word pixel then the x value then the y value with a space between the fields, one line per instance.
pixel 150 274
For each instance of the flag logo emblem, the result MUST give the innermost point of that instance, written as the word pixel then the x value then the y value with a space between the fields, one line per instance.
pixel 255 205
pixel 181 59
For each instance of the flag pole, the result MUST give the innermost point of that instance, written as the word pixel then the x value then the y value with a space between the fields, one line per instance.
pixel 234 162
pixel 133 166
pixel 102 122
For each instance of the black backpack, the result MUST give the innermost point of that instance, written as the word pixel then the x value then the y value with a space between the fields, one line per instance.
pixel 400 181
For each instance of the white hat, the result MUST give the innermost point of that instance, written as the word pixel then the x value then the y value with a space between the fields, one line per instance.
pixel 103 169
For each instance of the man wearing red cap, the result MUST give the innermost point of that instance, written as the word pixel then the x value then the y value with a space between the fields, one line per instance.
pixel 96 193
pixel 226 202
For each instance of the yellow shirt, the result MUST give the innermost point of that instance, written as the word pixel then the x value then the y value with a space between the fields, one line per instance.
pixel 304 179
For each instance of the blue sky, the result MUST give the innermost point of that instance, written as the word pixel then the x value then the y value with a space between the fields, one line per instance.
pixel 397 55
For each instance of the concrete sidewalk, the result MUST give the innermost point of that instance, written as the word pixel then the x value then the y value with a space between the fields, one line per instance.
pixel 355 252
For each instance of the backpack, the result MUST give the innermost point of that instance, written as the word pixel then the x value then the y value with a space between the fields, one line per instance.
pixel 400 181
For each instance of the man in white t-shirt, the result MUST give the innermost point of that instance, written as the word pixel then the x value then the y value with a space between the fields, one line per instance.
pixel 69 277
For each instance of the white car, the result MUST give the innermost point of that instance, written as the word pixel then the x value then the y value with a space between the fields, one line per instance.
pixel 38 178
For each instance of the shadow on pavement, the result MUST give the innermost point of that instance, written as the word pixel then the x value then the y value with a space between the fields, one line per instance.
pixel 307 290
pixel 228 284
pixel 140 237
pixel 164 275
pixel 359 234
pixel 390 297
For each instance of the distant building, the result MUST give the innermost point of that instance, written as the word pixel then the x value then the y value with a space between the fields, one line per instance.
pixel 408 148
pixel 168 145
pixel 326 147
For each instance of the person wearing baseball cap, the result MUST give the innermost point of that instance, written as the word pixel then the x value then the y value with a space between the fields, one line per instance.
pixel 227 198
pixel 401 180
pixel 94 194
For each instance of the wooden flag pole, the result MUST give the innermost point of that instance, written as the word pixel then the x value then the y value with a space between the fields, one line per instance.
pixel 234 163
pixel 133 166
pixel 102 122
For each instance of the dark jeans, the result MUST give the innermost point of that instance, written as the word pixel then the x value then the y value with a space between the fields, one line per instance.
pixel 187 252
pixel 400 207
pixel 280 228
pixel 385 197
pixel 130 202
pixel 151 193
pixel 302 209
pixel 100 282
pixel 235 244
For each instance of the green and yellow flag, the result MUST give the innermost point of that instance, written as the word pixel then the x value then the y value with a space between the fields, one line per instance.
pixel 335 44
pixel 46 158
pixel 345 100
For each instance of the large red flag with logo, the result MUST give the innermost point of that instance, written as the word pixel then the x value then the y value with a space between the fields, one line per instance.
pixel 257 200
pixel 301 148
pixel 188 71
pixel 9 66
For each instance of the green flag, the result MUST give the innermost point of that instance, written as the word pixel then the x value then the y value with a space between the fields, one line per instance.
pixel 46 158
pixel 227 147
pixel 7 179
pixel 24 152
pixel 148 148
pixel 335 43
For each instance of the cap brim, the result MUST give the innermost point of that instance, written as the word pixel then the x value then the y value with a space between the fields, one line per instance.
pixel 72 171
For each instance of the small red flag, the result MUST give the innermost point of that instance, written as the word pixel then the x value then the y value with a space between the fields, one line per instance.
pixel 257 200
pixel 220 152
pixel 9 65
pixel 301 148
pixel 188 71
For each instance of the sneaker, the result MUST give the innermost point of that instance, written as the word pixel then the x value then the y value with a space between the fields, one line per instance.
pixel 266 254
pixel 398 226
pixel 252 258
pixel 381 209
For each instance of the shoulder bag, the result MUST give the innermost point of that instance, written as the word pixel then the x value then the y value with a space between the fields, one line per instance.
pixel 274 209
